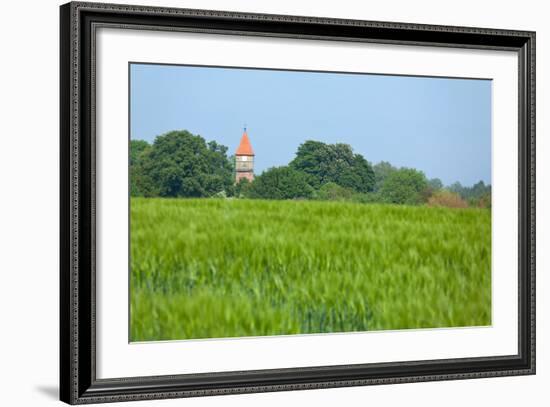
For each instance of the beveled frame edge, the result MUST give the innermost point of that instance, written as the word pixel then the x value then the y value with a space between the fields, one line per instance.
pixel 78 383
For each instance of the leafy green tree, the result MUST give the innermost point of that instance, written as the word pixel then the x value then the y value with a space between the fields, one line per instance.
pixel 280 183
pixel 241 188
pixel 404 186
pixel 381 172
pixel 457 188
pixel 180 164
pixel 478 191
pixel 138 149
pixel 435 184
pixel 484 201
pixel 336 163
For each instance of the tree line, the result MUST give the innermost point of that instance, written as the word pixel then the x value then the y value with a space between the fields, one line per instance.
pixel 181 164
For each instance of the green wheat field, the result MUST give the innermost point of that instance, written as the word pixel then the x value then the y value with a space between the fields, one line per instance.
pixel 209 268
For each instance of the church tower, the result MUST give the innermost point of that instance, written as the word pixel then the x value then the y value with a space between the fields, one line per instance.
pixel 244 159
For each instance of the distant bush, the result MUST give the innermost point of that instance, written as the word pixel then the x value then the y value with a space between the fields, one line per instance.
pixel 381 171
pixel 435 184
pixel 138 180
pixel 485 201
pixel 475 192
pixel 241 188
pixel 334 192
pixel 404 186
pixel 481 202
pixel 447 199
pixel 220 195
pixel 280 183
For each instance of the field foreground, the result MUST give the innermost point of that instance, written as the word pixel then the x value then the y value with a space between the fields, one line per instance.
pixel 207 268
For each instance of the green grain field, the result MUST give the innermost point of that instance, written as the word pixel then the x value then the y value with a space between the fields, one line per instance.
pixel 208 268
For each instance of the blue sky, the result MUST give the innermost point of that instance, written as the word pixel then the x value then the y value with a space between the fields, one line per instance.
pixel 440 126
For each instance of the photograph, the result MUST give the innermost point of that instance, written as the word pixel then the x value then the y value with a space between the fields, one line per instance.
pixel 287 202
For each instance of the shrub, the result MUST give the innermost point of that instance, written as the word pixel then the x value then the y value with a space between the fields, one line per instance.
pixel 220 195
pixel 404 186
pixel 481 202
pixel 241 188
pixel 485 201
pixel 280 183
pixel 447 199
pixel 381 171
pixel 334 192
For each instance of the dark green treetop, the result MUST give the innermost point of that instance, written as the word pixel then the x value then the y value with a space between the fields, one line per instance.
pixel 280 183
pixel 180 164
pixel 336 163
pixel 404 186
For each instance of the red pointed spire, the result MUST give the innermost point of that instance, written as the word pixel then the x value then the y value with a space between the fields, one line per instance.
pixel 245 148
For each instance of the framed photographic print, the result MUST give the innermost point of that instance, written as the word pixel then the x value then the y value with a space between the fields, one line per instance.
pixel 256 203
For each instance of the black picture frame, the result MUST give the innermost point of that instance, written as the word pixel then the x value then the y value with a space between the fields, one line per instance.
pixel 78 382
